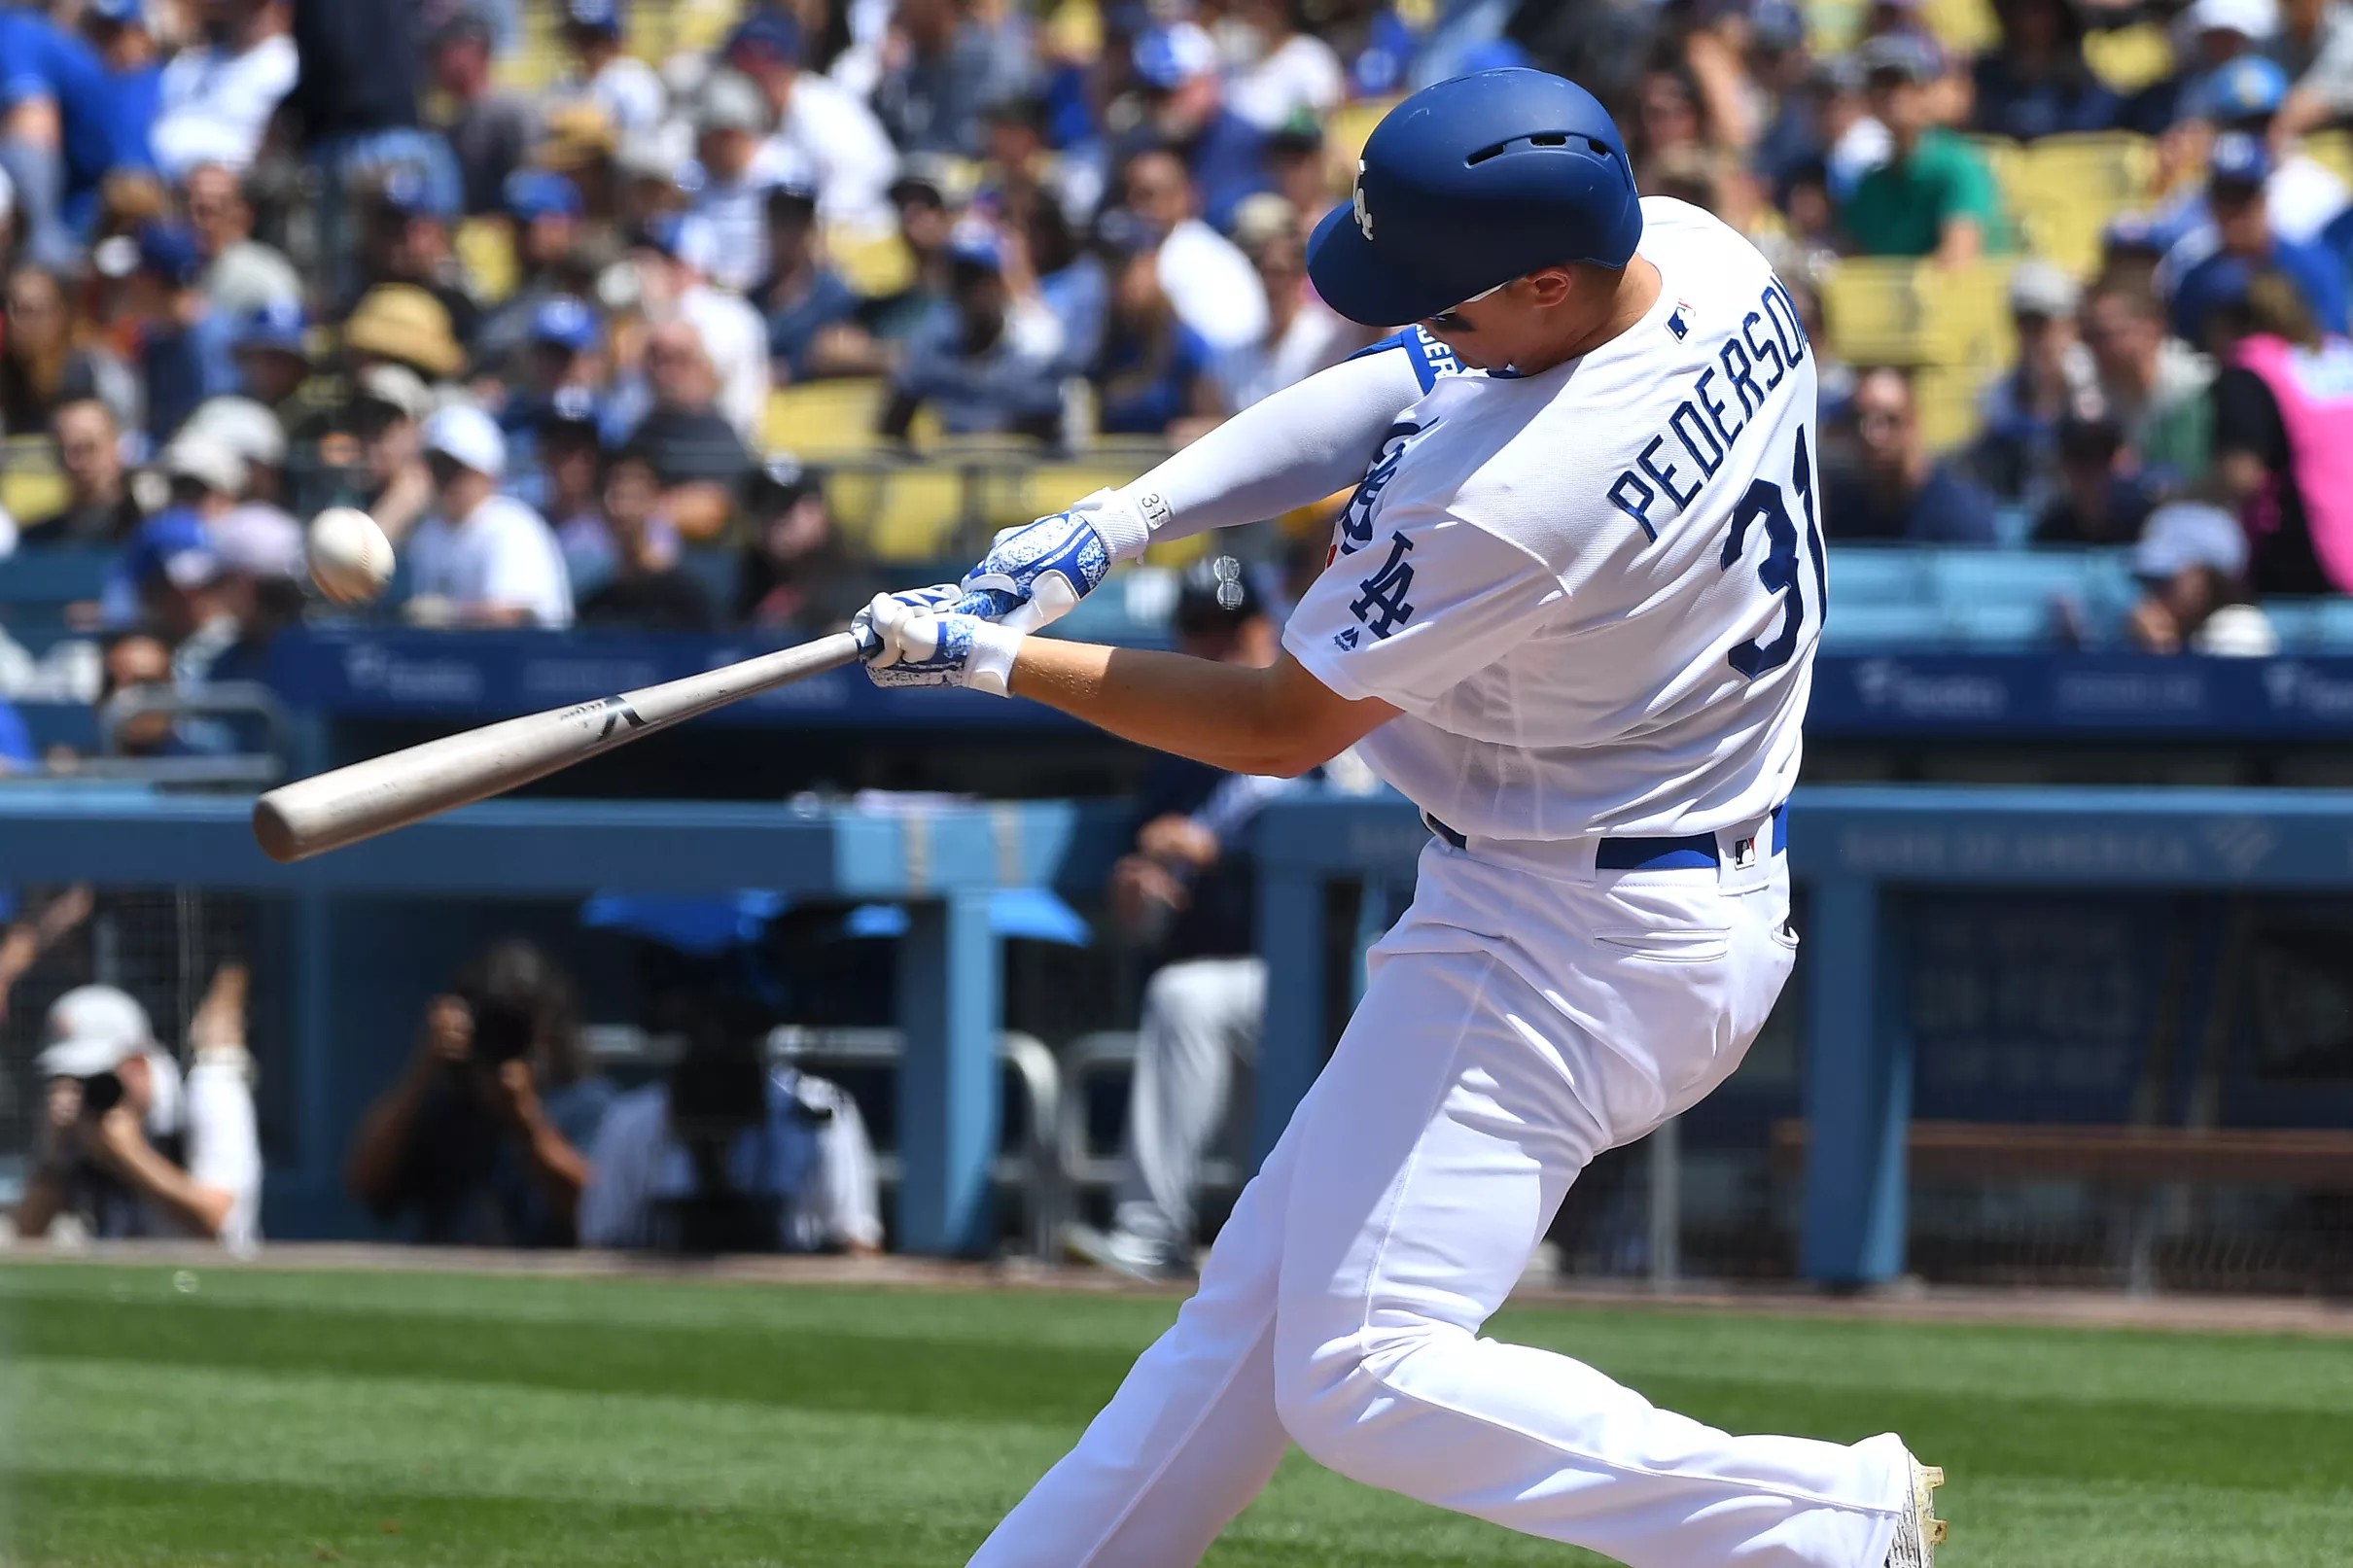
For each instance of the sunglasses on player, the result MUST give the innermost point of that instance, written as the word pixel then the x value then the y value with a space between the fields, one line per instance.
pixel 1451 320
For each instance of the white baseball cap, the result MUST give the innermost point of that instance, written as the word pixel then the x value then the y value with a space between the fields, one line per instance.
pixel 243 424
pixel 470 438
pixel 209 461
pixel 2184 534
pixel 2257 20
pixel 92 1029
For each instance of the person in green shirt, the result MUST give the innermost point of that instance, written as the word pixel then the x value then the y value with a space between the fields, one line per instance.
pixel 1934 196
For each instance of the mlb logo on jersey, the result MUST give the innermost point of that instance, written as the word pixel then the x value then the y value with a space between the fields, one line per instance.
pixel 1678 320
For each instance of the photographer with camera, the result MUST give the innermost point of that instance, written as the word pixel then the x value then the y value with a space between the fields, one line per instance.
pixel 731 1153
pixel 130 1148
pixel 478 1143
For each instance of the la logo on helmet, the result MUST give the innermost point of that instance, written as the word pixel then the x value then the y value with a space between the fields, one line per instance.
pixel 1364 214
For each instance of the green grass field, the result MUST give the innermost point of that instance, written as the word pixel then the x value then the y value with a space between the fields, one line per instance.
pixel 244 1416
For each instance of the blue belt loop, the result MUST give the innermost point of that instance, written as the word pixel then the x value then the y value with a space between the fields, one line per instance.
pixel 1692 853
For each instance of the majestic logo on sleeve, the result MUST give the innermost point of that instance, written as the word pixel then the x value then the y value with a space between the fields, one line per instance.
pixel 1364 214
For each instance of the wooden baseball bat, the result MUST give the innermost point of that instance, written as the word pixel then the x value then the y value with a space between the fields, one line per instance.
pixel 327 812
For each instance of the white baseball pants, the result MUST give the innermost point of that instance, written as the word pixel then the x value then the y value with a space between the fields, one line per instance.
pixel 1518 1019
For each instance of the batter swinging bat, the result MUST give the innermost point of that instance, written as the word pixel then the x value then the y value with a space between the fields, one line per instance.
pixel 312 816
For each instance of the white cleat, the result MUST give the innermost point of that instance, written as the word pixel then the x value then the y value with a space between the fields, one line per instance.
pixel 1919 1532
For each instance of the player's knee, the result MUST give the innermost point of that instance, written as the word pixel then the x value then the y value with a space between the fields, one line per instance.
pixel 1182 996
pixel 1339 1405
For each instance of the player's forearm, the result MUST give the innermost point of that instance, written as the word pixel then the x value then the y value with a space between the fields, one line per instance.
pixel 1230 716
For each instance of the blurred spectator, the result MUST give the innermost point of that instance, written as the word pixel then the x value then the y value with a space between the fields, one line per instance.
pixel 1297 167
pixel 2154 386
pixel 170 575
pixel 2036 82
pixel 627 90
pixel 406 241
pixel 1069 280
pixel 241 274
pixel 481 1141
pixel 1304 335
pixel 644 588
pixel 2016 454
pixel 795 574
pixel 272 346
pixel 253 433
pixel 548 214
pixel 129 1147
pixel 481 558
pixel 2191 563
pixel 1153 374
pixel 2315 46
pixel 389 405
pixel 1184 113
pixel 2103 497
pixel 1934 196
pixel 731 1153
pixel 819 126
pixel 697 452
pixel 185 352
pixel 571 489
pixel 944 63
pixel 671 283
pixel 2300 195
pixel 2207 35
pixel 58 130
pixel 984 362
pixel 98 506
pixel 1281 68
pixel 491 129
pixel 807 304
pixel 138 664
pixel 2246 241
pixel 1897 491
pixel 1211 284
pixel 1186 893
pixel 217 97
pixel 2283 437
pixel 406 326
pixel 738 168
pixel 45 361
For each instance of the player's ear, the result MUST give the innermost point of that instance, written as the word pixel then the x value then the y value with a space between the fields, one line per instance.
pixel 1548 287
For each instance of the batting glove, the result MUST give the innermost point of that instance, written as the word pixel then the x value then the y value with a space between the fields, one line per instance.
pixel 920 638
pixel 1035 574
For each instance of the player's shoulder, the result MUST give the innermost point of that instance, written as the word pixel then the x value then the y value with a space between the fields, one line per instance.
pixel 1681 237
pixel 1418 351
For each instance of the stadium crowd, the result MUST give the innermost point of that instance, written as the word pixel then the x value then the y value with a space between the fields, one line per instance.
pixel 267 255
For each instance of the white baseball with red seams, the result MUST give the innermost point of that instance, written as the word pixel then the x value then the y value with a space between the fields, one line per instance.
pixel 350 558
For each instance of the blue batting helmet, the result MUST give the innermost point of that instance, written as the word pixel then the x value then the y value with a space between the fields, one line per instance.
pixel 1470 183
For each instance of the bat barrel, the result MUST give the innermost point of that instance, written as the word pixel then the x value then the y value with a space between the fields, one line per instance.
pixel 342 807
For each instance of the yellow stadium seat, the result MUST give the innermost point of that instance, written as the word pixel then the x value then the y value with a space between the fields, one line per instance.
pixel 818 420
pixel 2065 189
pixel 1946 398
pixel 2004 159
pixel 1038 489
pixel 2332 150
pixel 679 26
pixel 900 515
pixel 1910 313
pixel 485 248
pixel 1345 133
pixel 31 488
pixel 1178 554
pixel 875 264
pixel 1963 26
pixel 2130 58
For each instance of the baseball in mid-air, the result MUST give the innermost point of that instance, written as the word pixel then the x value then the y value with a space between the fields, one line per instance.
pixel 350 558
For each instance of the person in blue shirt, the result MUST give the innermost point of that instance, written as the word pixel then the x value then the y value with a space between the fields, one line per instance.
pixel 802 296
pixel 985 362
pixel 2036 81
pixel 1899 491
pixel 134 72
pixel 1153 374
pixel 1180 73
pixel 2248 243
pixel 187 350
pixel 58 128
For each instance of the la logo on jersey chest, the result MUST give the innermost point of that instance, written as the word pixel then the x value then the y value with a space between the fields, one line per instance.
pixel 1354 530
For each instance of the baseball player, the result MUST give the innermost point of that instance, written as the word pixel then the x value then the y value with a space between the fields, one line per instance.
pixel 1571 613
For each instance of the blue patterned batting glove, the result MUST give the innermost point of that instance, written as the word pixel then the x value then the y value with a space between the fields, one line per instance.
pixel 1033 577
pixel 921 640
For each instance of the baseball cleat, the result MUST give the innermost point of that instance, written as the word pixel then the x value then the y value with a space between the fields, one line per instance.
pixel 1919 1532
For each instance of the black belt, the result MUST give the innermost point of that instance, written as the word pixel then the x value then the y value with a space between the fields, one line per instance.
pixel 1692 852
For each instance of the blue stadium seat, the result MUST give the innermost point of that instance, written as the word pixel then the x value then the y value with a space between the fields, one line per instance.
pixel 54 574
pixel 1998 625
pixel 2333 626
pixel 1962 578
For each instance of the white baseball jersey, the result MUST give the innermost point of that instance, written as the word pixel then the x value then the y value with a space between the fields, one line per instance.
pixel 503 554
pixel 1595 592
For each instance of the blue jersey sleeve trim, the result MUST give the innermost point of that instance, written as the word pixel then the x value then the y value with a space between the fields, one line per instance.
pixel 1429 358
